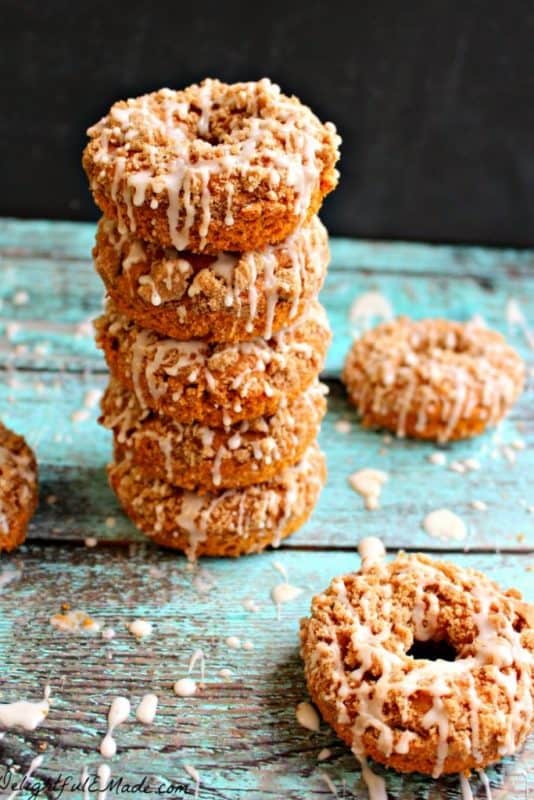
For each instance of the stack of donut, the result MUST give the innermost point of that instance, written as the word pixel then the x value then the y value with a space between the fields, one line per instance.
pixel 212 257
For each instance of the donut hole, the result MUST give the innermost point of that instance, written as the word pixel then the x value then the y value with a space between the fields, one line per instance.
pixel 432 650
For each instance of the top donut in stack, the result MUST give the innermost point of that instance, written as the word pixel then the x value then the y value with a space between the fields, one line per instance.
pixel 212 256
pixel 212 168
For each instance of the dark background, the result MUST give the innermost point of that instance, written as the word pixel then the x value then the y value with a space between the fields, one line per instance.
pixel 434 100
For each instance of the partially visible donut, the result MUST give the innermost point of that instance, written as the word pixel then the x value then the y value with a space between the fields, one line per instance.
pixel 413 711
pixel 229 523
pixel 196 457
pixel 433 378
pixel 18 488
pixel 213 167
pixel 215 384
pixel 228 298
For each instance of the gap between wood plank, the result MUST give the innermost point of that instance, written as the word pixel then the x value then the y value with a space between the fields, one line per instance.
pixel 122 544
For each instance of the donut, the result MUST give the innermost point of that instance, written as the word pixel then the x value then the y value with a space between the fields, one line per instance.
pixel 196 457
pixel 214 384
pixel 420 664
pixel 18 488
pixel 433 378
pixel 211 168
pixel 231 297
pixel 229 523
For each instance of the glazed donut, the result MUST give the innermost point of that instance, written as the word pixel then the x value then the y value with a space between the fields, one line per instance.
pixel 233 297
pixel 389 701
pixel 214 384
pixel 230 523
pixel 211 168
pixel 200 458
pixel 432 379
pixel 18 488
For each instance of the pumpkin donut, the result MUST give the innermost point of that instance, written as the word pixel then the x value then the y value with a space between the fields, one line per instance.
pixel 194 456
pixel 422 665
pixel 231 297
pixel 18 488
pixel 432 379
pixel 214 384
pixel 229 523
pixel 211 168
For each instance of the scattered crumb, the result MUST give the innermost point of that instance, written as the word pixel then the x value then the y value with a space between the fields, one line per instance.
pixel 248 645
pixel 51 499
pixel 110 522
pixel 324 754
pixel 226 674
pixel 479 505
pixel 233 642
pixel 75 621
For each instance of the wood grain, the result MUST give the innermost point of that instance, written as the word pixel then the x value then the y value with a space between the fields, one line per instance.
pixel 73 454
pixel 419 280
pixel 240 735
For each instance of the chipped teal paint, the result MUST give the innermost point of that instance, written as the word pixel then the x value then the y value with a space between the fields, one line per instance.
pixel 73 457
pixel 458 282
pixel 241 735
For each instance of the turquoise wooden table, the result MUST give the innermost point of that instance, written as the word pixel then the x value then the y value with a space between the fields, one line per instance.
pixel 238 736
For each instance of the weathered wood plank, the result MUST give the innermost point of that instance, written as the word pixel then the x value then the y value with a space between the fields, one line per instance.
pixel 241 735
pixel 72 457
pixel 73 241
pixel 52 329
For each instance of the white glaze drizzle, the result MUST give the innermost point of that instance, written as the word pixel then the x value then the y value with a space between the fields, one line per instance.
pixel 368 483
pixel 369 307
pixel 445 525
pixel 307 716
pixel 34 765
pixel 140 628
pixel 193 773
pixel 24 714
pixel 147 709
pixel 104 774
pixel 118 713
pixel 376 785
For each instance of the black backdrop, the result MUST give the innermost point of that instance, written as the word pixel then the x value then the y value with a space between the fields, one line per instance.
pixel 434 100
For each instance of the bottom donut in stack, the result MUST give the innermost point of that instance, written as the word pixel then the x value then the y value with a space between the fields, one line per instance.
pixel 231 522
